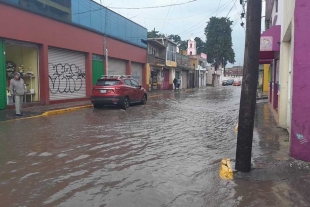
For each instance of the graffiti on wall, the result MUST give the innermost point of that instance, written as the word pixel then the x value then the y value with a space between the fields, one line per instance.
pixel 301 138
pixel 66 78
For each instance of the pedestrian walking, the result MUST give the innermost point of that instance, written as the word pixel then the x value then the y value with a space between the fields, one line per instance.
pixel 17 90
pixel 175 83
pixel 178 83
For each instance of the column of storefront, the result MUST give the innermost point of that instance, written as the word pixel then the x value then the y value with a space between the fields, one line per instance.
pixel 88 72
pixel 44 79
pixel 3 95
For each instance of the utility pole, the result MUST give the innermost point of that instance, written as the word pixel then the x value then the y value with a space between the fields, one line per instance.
pixel 249 86
pixel 105 50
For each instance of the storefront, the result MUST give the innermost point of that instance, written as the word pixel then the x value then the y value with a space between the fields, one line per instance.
pixel 97 67
pixel 184 79
pixel 165 82
pixel 116 66
pixel 136 71
pixel 23 58
pixel 191 79
pixel 269 54
pixel 66 70
pixel 156 78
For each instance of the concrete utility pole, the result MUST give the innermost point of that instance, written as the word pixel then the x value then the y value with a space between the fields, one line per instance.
pixel 249 86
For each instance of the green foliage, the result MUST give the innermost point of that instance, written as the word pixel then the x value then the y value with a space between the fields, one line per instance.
pixel 219 42
pixel 174 38
pixel 183 45
pixel 154 34
pixel 200 45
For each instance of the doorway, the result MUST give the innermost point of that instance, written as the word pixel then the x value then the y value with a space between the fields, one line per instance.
pixel 97 68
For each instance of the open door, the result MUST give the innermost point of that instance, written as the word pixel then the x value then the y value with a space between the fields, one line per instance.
pixel 2 75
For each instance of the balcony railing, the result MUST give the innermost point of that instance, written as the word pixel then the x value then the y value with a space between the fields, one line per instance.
pixel 152 59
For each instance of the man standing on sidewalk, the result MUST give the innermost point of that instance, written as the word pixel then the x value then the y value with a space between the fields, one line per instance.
pixel 17 90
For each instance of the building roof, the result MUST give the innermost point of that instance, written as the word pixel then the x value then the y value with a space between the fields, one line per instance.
pixel 156 43
pixel 162 38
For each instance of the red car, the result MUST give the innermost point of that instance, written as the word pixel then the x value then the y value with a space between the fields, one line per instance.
pixel 119 91
pixel 237 83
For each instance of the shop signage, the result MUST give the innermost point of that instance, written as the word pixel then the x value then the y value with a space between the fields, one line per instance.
pixel 266 43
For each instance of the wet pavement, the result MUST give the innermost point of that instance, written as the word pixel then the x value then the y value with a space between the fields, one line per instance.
pixel 166 153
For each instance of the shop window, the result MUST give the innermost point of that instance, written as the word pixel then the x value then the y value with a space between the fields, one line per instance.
pixel 24 60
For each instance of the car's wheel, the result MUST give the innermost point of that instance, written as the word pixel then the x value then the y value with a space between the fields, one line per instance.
pixel 126 103
pixel 144 99
pixel 96 106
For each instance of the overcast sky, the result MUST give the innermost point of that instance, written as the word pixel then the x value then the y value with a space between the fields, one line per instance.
pixel 187 20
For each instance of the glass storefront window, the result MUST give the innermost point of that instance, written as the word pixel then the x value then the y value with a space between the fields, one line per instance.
pixel 22 59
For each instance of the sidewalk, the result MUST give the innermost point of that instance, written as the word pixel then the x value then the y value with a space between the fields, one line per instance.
pixel 276 179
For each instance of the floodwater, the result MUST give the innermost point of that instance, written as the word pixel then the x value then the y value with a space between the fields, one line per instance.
pixel 165 153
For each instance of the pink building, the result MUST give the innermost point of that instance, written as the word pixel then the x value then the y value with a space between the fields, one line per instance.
pixel 287 47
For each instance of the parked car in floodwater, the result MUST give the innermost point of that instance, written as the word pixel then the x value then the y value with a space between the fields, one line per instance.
pixel 237 82
pixel 119 91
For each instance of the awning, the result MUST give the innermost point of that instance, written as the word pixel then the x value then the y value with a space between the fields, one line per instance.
pixel 270 42
pixel 265 61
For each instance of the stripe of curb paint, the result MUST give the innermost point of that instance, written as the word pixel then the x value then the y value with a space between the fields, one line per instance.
pixel 226 172
pixel 236 127
pixel 61 111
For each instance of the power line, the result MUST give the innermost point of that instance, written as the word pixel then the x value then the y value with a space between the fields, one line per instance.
pixel 154 7
pixel 231 9
pixel 166 16
pixel 150 7
pixel 202 21
pixel 218 7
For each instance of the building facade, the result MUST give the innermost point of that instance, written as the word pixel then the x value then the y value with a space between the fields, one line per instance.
pixel 291 72
pixel 58 46
pixel 162 62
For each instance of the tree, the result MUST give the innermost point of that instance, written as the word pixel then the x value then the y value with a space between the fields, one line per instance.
pixel 175 38
pixel 154 34
pixel 200 45
pixel 183 45
pixel 219 42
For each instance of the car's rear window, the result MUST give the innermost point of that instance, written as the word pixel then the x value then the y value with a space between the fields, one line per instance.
pixel 107 82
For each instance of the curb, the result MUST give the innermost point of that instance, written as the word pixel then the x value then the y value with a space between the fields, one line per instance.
pixel 226 172
pixel 61 111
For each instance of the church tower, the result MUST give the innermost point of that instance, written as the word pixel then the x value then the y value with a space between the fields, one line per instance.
pixel 191 47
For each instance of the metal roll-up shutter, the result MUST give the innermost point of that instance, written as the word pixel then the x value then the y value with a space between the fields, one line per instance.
pixel 184 79
pixel 136 71
pixel 116 67
pixel 66 74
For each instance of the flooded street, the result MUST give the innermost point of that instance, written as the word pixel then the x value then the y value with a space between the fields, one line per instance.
pixel 165 153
